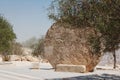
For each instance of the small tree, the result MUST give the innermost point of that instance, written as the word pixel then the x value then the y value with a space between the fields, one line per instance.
pixel 6 36
pixel 108 23
pixel 39 49
pixel 17 48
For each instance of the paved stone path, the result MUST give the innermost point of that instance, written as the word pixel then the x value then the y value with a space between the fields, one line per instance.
pixel 22 71
pixel 6 75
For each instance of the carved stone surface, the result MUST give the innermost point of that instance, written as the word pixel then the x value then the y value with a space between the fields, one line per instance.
pixel 65 45
pixel 71 68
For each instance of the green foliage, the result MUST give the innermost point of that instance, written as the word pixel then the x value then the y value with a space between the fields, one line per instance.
pixel 109 23
pixel 95 44
pixel 39 49
pixel 66 11
pixel 103 15
pixel 6 35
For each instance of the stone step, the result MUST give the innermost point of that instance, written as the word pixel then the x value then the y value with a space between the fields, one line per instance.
pixel 71 68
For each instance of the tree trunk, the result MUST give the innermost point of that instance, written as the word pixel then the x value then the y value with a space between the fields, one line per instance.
pixel 114 56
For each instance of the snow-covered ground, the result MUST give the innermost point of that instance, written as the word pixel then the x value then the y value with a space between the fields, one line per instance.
pixel 22 71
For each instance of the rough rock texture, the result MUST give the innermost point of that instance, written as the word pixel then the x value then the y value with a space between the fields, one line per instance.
pixel 71 68
pixel 32 59
pixel 65 45
pixel 24 58
pixel 35 65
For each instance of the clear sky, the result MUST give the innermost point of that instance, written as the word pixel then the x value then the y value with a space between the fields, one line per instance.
pixel 28 17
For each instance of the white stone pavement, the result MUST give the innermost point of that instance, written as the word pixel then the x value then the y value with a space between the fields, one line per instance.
pixel 6 75
pixel 22 71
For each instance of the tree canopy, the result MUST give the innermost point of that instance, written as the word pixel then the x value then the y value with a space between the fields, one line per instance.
pixel 103 15
pixel 6 35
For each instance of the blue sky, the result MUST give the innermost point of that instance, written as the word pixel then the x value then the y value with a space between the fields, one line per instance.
pixel 28 17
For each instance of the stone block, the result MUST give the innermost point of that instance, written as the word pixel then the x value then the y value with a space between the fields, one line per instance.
pixel 35 65
pixel 71 68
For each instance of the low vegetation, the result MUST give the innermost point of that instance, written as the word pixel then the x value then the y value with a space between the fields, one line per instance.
pixel 17 48
pixel 39 49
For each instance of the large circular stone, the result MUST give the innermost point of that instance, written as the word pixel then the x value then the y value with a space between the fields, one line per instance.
pixel 65 45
